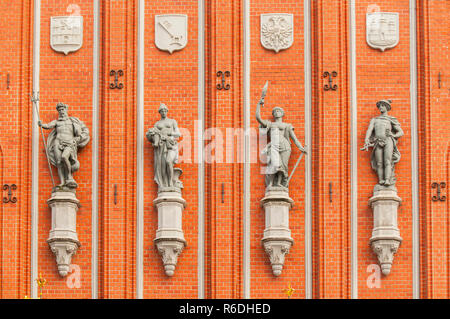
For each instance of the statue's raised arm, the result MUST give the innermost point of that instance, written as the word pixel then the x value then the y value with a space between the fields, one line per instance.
pixel 261 103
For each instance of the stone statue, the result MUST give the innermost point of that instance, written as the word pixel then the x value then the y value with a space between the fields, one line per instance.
pixel 170 204
pixel 383 134
pixel 68 136
pixel 278 150
pixel 164 138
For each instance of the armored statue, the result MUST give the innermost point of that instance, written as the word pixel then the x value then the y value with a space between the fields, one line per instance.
pixel 383 134
pixel 164 138
pixel 69 135
pixel 278 150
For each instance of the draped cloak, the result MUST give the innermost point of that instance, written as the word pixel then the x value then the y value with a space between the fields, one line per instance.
pixel 79 130
pixel 378 143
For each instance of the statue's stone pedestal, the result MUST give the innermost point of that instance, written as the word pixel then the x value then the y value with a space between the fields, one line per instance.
pixel 63 238
pixel 277 238
pixel 169 239
pixel 385 239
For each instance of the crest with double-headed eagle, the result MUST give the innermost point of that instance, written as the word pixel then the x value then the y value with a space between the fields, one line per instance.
pixel 277 31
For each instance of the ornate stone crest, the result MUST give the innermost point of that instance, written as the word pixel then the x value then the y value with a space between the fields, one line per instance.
pixel 277 31
pixel 382 30
pixel 66 33
pixel 171 32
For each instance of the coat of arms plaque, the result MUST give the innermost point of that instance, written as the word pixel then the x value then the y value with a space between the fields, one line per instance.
pixel 382 30
pixel 66 33
pixel 171 32
pixel 277 31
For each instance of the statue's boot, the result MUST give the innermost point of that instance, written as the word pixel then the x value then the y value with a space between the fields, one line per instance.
pixel 70 182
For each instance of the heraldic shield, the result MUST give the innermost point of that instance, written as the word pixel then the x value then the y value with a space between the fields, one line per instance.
pixel 171 32
pixel 66 33
pixel 277 31
pixel 382 30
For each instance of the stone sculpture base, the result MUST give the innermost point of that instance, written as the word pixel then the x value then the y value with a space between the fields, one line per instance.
pixel 63 238
pixel 277 238
pixel 169 239
pixel 385 239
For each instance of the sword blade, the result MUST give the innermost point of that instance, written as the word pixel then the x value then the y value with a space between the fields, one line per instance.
pixel 295 167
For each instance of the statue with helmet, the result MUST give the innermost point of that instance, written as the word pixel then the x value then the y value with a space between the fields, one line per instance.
pixel 278 150
pixel 69 135
pixel 382 135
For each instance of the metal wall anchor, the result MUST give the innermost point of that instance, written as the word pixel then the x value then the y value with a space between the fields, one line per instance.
pixel 223 193
pixel 439 79
pixel 330 86
pixel 8 81
pixel 10 198
pixel 223 75
pixel 330 191
pixel 116 84
pixel 438 196
pixel 115 194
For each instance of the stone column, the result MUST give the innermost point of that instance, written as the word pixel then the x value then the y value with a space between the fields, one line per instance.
pixel 385 239
pixel 277 238
pixel 169 236
pixel 63 238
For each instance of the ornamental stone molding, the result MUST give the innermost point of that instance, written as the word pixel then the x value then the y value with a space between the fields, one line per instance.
pixel 277 31
pixel 169 239
pixel 63 238
pixel 385 239
pixel 277 238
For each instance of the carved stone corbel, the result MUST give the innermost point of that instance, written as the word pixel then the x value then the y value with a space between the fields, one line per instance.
pixel 385 239
pixel 277 238
pixel 169 239
pixel 63 238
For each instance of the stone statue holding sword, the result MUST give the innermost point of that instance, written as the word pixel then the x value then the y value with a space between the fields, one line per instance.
pixel 278 150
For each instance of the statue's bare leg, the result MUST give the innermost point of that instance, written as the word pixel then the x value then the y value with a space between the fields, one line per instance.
pixel 59 165
pixel 61 174
pixel 380 168
pixel 388 150
pixel 66 161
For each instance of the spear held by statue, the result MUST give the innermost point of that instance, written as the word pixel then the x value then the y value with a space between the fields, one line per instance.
pixel 34 100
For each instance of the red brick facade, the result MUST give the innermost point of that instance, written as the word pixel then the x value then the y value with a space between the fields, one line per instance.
pixel 174 80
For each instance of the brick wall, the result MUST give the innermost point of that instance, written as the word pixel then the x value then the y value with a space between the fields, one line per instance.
pixel 173 80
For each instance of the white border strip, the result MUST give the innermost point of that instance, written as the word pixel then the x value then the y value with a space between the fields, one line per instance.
pixel 140 153
pixel 247 154
pixel 414 149
pixel 354 154
pixel 35 151
pixel 308 143
pixel 201 167
pixel 95 151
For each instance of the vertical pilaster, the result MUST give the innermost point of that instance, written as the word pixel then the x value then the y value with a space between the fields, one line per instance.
pixel 307 31
pixel 200 146
pixel 224 220
pixel 140 152
pixel 35 149
pixel 331 149
pixel 433 115
pixel 95 146
pixel 118 147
